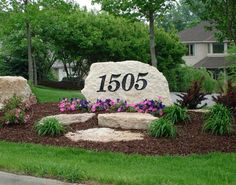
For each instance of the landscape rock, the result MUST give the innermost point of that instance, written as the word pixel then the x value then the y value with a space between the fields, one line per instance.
pixel 126 120
pixel 199 110
pixel 67 119
pixel 15 85
pixel 132 81
pixel 103 135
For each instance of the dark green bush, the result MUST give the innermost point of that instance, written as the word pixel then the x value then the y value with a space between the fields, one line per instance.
pixel 181 78
pixel 162 128
pixel 219 120
pixel 176 114
pixel 49 127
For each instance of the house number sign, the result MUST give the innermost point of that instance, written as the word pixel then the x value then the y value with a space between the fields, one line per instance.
pixel 128 82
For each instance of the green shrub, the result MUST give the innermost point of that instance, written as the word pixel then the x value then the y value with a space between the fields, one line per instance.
pixel 14 111
pixel 15 116
pixel 49 127
pixel 219 120
pixel 176 114
pixel 12 103
pixel 181 78
pixel 162 128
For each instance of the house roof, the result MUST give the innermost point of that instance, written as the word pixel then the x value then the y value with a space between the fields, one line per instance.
pixel 198 33
pixel 212 63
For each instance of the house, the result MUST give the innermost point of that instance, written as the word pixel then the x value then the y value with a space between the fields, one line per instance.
pixel 59 70
pixel 203 49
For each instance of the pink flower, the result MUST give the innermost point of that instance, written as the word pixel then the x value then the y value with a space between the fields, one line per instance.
pixel 62 109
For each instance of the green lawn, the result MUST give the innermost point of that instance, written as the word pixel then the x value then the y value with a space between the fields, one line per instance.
pixel 45 94
pixel 120 169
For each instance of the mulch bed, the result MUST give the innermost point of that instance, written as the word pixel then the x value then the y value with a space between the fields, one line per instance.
pixel 190 138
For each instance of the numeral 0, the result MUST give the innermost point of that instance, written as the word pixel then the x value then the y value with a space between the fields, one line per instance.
pixel 114 84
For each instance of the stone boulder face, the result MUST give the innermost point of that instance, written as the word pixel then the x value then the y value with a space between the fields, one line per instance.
pixel 132 81
pixel 103 135
pixel 126 120
pixel 12 85
pixel 68 119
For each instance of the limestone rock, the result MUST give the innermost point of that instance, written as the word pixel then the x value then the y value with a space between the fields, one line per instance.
pixel 126 120
pixel 132 81
pixel 103 135
pixel 12 85
pixel 67 119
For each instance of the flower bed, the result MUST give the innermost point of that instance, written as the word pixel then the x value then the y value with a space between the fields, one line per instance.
pixel 154 107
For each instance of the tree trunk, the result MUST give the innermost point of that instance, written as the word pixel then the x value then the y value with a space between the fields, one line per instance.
pixel 35 72
pixel 29 43
pixel 152 40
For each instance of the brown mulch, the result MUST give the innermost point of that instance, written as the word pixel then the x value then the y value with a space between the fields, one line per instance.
pixel 190 138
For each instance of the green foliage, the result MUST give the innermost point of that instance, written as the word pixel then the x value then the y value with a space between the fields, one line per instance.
pixel 231 57
pixel 219 120
pixel 49 127
pixel 176 114
pixel 227 97
pixel 162 128
pixel 169 51
pixel 221 15
pixel 179 17
pixel 180 79
pixel 14 116
pixel 134 9
pixel 14 111
pixel 13 103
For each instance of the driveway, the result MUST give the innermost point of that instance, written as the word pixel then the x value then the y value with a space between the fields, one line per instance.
pixel 13 179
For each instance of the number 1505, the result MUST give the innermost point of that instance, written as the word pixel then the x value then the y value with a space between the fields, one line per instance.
pixel 139 83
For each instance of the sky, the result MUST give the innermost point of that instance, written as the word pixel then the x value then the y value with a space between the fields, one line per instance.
pixel 88 4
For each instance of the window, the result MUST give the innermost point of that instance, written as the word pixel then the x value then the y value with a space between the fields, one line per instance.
pixel 218 47
pixel 190 49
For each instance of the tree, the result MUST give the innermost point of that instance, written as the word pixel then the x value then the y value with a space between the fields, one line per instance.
pixel 179 17
pixel 221 15
pixel 147 9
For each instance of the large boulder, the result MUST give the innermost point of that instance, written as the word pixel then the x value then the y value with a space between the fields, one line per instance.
pixel 67 119
pixel 126 120
pixel 132 81
pixel 103 135
pixel 12 85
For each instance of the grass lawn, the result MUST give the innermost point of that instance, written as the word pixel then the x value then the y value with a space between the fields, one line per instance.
pixel 45 94
pixel 120 169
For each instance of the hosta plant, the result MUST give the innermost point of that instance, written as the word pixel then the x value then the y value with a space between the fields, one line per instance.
pixel 49 127
pixel 219 120
pixel 176 114
pixel 162 128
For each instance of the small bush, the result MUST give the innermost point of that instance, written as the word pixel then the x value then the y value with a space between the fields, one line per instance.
pixel 15 116
pixel 14 111
pixel 227 98
pixel 181 78
pixel 49 127
pixel 176 114
pixel 219 120
pixel 162 128
pixel 12 103
pixel 193 97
